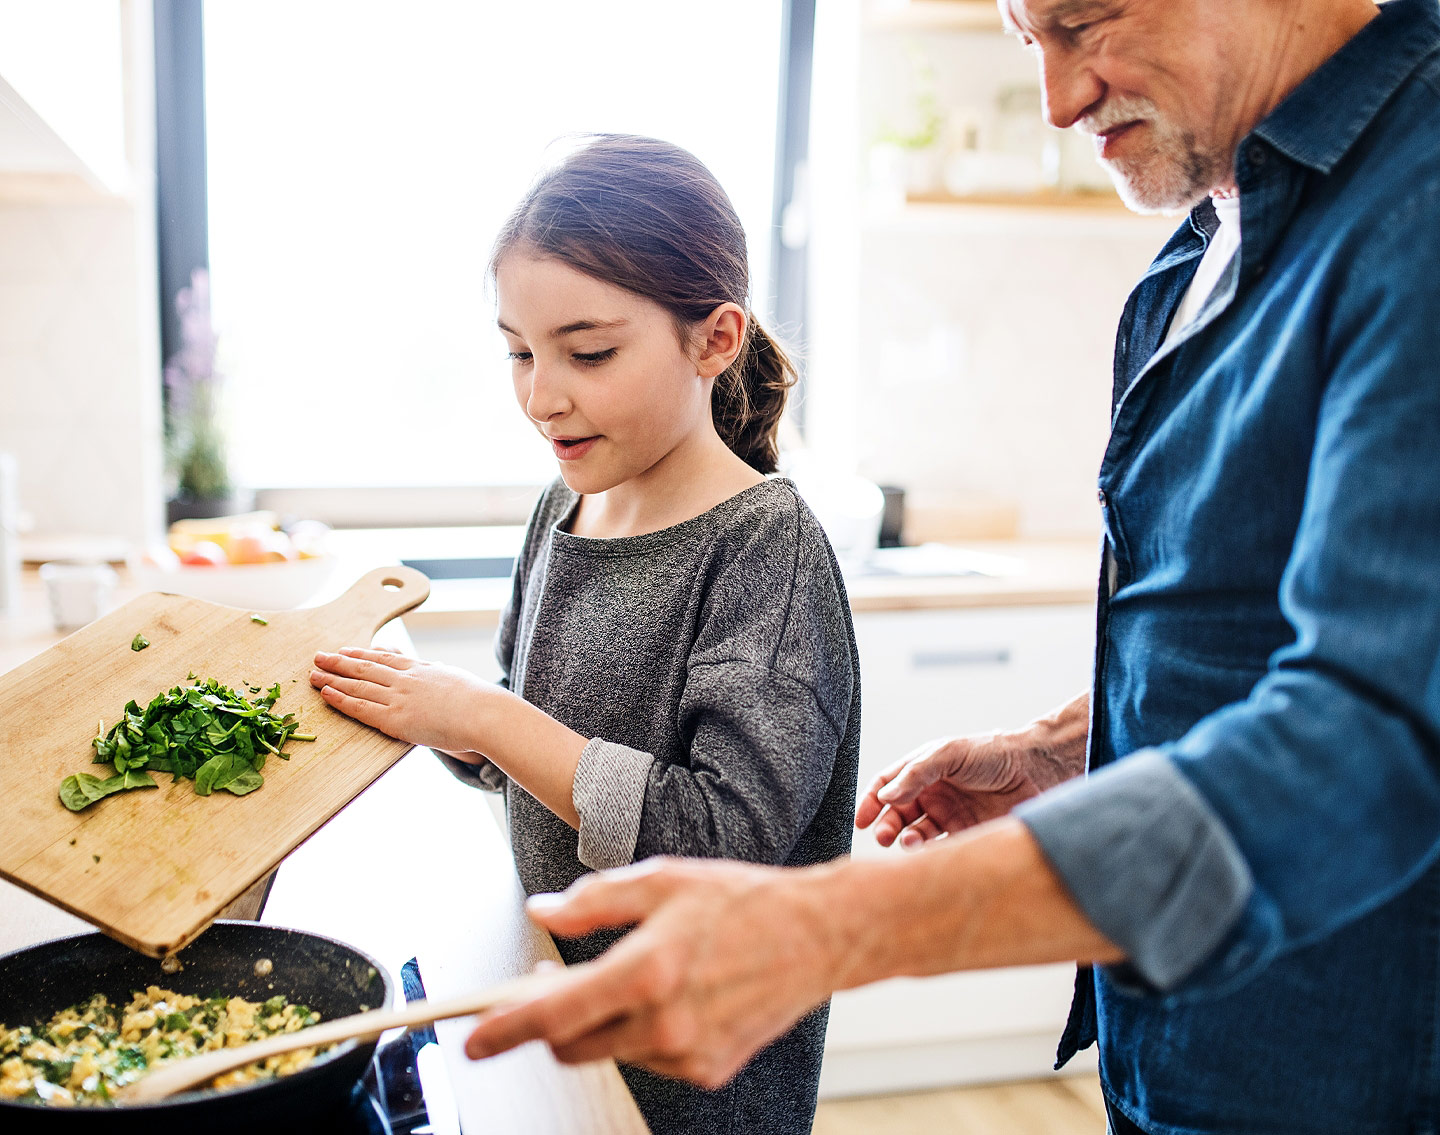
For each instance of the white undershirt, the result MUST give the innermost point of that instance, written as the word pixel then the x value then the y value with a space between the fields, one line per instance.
pixel 1224 243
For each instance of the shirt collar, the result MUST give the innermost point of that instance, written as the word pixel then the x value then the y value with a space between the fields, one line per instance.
pixel 1321 118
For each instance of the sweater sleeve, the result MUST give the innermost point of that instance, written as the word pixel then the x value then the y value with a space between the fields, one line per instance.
pixel 766 701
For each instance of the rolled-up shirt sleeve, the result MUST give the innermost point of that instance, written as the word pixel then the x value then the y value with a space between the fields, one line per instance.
pixel 609 796
pixel 1148 860
pixel 761 758
pixel 759 763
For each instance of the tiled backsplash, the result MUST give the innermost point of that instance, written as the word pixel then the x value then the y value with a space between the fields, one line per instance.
pixel 79 365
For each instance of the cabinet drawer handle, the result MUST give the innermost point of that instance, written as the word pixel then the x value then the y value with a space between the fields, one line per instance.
pixel 939 659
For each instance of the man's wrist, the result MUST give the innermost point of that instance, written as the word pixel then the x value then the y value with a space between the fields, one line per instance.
pixel 827 902
pixel 982 899
pixel 881 918
pixel 1054 745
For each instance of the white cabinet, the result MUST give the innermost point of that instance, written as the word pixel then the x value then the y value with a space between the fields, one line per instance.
pixel 927 674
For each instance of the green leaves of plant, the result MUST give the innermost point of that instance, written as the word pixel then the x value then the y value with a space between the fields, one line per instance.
pixel 208 733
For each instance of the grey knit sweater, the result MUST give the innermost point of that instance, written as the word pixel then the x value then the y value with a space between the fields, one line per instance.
pixel 713 664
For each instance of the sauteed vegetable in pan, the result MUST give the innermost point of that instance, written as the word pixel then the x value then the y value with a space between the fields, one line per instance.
pixel 83 1054
pixel 242 960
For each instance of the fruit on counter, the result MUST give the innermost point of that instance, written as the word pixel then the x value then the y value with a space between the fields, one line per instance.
pixel 220 528
pixel 204 553
pixel 261 546
pixel 247 538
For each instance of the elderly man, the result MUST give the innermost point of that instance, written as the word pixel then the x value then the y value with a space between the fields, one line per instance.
pixel 1250 864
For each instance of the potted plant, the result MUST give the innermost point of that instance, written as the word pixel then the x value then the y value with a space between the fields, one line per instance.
pixel 199 473
pixel 910 156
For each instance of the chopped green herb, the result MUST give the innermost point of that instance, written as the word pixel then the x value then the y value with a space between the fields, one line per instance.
pixel 208 733
pixel 96 858
pixel 258 619
pixel 139 642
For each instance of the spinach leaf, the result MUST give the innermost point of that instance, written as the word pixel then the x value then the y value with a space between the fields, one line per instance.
pixel 82 789
pixel 208 733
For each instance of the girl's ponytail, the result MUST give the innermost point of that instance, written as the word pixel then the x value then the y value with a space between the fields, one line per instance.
pixel 749 399
pixel 648 217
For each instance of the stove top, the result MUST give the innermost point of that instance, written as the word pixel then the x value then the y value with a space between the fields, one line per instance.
pixel 390 1098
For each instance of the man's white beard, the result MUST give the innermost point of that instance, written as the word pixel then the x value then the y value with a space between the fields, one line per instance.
pixel 1171 175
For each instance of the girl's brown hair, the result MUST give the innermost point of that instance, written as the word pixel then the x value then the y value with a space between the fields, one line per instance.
pixel 647 216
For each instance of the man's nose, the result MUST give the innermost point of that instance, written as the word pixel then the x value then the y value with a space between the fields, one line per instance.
pixel 1070 87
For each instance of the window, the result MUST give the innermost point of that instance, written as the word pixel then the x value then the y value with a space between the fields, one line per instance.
pixel 361 157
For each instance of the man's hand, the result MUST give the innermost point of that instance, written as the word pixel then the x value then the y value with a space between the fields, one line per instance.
pixel 948 785
pixel 727 957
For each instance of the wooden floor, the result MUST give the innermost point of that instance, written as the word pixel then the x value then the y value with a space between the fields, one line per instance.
pixel 1068 1105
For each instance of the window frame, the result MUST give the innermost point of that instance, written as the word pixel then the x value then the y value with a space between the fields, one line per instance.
pixel 183 242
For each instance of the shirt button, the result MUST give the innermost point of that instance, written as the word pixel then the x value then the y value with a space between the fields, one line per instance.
pixel 1102 498
pixel 1256 155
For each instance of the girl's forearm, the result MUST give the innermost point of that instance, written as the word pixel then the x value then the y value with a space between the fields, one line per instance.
pixel 532 748
pixel 983 899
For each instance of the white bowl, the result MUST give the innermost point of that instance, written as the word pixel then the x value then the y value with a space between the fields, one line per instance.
pixel 256 587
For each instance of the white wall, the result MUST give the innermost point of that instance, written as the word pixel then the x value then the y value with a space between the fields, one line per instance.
pixel 79 338
pixel 986 357
pixel 962 353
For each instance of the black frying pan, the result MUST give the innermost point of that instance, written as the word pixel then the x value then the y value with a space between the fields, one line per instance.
pixel 332 978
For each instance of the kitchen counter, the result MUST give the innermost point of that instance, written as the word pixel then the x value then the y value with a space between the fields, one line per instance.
pixel 1010 573
pixel 1006 573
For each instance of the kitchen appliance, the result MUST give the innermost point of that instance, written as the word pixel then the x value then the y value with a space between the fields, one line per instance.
pixel 849 507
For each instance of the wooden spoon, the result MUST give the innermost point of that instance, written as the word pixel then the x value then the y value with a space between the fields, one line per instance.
pixel 187 1073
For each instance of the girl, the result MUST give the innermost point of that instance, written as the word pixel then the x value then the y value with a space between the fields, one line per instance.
pixel 680 666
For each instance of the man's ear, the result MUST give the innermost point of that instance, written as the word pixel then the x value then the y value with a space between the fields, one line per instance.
pixel 721 335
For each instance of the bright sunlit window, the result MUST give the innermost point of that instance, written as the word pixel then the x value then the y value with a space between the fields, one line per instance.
pixel 362 156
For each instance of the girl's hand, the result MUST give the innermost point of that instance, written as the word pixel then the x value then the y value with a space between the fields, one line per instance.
pixel 424 703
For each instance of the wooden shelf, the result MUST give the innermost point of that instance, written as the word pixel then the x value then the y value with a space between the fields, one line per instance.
pixel 936 15
pixel 1101 200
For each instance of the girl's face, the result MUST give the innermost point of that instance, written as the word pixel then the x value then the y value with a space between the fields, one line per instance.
pixel 599 371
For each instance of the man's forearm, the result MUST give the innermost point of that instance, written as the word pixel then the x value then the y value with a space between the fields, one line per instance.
pixel 983 899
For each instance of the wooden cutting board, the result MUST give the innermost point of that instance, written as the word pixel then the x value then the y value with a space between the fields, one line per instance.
pixel 152 867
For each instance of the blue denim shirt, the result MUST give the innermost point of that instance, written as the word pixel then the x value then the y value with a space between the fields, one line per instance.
pixel 1260 825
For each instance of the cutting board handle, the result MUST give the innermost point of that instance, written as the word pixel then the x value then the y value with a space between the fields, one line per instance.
pixel 378 596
